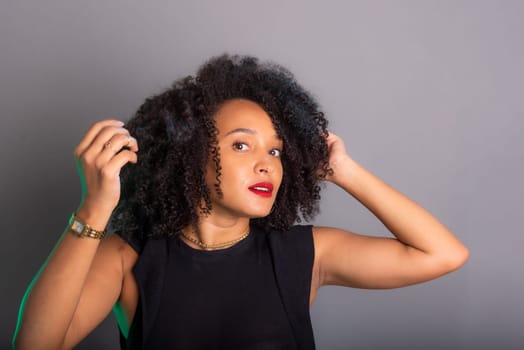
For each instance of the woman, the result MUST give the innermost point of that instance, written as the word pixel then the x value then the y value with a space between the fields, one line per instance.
pixel 207 254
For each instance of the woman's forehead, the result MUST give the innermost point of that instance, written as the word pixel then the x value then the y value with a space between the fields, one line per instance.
pixel 242 115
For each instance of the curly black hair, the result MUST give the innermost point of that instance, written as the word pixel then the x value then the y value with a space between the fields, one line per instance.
pixel 177 135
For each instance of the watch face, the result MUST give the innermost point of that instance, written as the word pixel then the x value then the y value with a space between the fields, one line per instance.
pixel 77 227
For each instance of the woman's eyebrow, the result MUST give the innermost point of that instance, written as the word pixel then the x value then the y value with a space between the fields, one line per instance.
pixel 241 130
pixel 247 131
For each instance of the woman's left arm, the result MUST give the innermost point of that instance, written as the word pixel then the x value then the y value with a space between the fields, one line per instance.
pixel 423 248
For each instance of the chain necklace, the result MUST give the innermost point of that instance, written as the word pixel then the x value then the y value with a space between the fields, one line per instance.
pixel 216 246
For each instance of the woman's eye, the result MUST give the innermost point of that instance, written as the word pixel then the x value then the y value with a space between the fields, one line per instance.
pixel 275 152
pixel 240 146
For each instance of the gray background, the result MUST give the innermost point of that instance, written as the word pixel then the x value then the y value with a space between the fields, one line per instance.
pixel 427 95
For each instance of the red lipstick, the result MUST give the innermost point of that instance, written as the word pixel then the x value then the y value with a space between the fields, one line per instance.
pixel 263 189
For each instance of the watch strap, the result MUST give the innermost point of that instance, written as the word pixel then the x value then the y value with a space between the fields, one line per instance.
pixel 81 229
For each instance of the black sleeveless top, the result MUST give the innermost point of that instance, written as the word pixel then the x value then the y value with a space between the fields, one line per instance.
pixel 253 295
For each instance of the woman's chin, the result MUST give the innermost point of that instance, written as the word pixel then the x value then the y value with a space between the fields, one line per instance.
pixel 261 213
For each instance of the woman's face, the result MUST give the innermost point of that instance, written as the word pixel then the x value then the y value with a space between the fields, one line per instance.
pixel 250 153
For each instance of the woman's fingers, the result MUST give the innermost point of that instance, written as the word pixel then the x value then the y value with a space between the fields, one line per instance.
pixel 101 154
pixel 332 138
pixel 119 141
pixel 115 145
pixel 109 140
pixel 111 170
pixel 102 142
pixel 92 133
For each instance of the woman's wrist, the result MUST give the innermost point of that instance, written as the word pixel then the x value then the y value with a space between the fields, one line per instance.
pixel 344 170
pixel 96 218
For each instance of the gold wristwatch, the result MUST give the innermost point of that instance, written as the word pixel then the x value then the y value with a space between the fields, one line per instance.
pixel 83 230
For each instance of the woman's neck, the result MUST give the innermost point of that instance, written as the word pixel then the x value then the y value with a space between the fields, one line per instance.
pixel 216 233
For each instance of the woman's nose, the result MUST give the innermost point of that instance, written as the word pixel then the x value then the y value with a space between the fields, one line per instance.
pixel 263 165
pixel 263 169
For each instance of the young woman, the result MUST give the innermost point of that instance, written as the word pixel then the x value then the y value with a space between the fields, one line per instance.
pixel 207 252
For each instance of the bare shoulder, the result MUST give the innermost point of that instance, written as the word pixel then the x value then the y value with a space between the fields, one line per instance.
pixel 126 252
pixel 116 252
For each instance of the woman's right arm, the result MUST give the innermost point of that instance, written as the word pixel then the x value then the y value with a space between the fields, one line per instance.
pixel 81 279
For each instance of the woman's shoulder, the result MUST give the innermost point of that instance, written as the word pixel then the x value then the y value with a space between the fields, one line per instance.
pixel 119 246
pixel 132 241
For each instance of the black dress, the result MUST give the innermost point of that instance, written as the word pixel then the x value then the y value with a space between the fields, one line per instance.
pixel 253 295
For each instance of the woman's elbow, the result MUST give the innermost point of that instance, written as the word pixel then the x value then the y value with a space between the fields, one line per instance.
pixel 455 258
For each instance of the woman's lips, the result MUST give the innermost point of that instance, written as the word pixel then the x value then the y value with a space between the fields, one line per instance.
pixel 263 189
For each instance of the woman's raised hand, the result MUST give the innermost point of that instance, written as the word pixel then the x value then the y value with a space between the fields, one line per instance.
pixel 105 149
pixel 338 157
pixel 79 283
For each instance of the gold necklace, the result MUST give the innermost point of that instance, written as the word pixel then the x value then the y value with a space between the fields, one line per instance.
pixel 216 246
